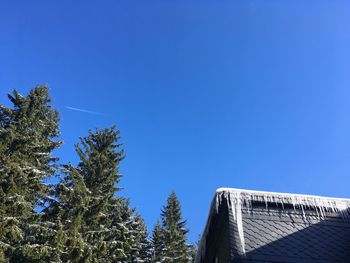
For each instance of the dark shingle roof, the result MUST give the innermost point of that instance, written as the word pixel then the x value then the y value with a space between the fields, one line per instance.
pixel 248 226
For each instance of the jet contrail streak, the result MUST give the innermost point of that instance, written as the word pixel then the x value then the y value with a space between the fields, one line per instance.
pixel 83 110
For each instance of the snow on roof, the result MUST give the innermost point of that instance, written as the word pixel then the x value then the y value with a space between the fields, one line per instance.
pixel 237 190
pixel 321 203
pixel 237 199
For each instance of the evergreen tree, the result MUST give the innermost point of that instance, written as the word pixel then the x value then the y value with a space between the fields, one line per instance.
pixel 67 213
pixel 83 221
pixel 172 234
pixel 139 251
pixel 28 133
pixel 96 225
pixel 103 229
pixel 193 253
pixel 157 244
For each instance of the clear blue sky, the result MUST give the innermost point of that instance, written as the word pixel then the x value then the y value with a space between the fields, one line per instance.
pixel 246 94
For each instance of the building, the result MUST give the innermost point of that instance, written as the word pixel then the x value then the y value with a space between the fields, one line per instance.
pixel 252 226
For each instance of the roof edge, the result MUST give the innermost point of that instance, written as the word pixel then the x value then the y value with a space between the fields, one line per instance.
pixel 237 199
pixel 277 194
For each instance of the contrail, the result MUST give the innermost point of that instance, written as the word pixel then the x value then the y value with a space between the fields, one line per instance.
pixel 82 110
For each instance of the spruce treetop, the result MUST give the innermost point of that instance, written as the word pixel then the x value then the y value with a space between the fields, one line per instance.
pixel 171 215
pixel 172 234
pixel 100 157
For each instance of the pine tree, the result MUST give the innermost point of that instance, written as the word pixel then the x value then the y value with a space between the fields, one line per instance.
pixel 67 213
pixel 28 133
pixel 139 251
pixel 95 225
pixel 157 244
pixel 85 210
pixel 99 166
pixel 193 253
pixel 173 234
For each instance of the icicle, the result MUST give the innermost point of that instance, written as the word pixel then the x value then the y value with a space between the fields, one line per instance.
pixel 238 199
pixel 239 221
pixel 234 202
pixel 302 209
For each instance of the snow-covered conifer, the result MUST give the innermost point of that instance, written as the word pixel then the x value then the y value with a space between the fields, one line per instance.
pixel 139 251
pixel 169 239
pixel 28 133
pixel 157 244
